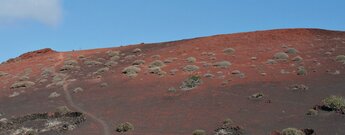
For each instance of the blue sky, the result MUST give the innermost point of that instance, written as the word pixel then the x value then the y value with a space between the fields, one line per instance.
pixel 64 25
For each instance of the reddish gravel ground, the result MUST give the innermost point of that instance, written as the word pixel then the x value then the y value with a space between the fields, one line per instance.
pixel 145 101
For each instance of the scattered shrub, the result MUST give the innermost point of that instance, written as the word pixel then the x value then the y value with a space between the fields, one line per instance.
pixel 301 71
pixel 222 64
pixel 155 56
pixel 24 78
pixel 208 75
pixel 173 71
pixel 124 127
pixel 199 132
pixel 334 102
pixel 81 57
pixel 271 61
pixel 191 59
pixel 281 56
pixel 104 85
pixel 54 95
pixel 299 87
pixel 136 50
pixel 110 63
pixel 340 58
pixel 172 90
pixel 291 51
pixel 14 94
pixel 128 57
pixel 297 59
pixel 62 110
pixel 22 84
pixel 46 72
pixel 131 71
pixel 92 63
pixel 101 71
pixel 292 131
pixel 235 72
pixel 113 53
pixel 78 89
pixel 170 60
pixel 156 63
pixel 71 62
pixel 256 96
pixel 115 58
pixel 138 62
pixel 3 74
pixel 229 51
pixel 190 68
pixel 191 82
pixel 312 112
pixel 157 71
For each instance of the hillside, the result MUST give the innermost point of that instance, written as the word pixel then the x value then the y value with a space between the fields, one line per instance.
pixel 264 81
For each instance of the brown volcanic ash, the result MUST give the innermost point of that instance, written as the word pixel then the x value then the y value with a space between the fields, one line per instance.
pixel 244 76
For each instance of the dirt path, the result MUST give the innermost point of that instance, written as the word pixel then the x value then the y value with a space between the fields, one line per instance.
pixel 71 103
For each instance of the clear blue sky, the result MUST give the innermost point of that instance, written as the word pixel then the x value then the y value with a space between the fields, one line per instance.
pixel 76 24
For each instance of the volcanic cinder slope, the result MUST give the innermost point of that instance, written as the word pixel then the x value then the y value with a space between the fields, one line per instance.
pixel 94 83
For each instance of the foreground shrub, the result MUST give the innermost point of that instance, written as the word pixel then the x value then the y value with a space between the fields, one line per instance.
pixel 131 71
pixel 191 82
pixel 334 102
pixel 222 64
pixel 124 127
pixel 190 68
pixel 292 131
pixel 229 51
pixel 199 132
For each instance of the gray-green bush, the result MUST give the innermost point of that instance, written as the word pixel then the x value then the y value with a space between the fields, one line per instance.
pixel 190 68
pixel 131 71
pixel 191 82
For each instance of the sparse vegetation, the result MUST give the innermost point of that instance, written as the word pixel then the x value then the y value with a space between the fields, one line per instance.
pixel 173 71
pixel 340 58
pixel 281 56
pixel 297 59
pixel 301 71
pixel 155 56
pixel 227 127
pixel 54 95
pixel 291 51
pixel 157 71
pixel 190 68
pixel 129 57
pixel 208 75
pixel 271 61
pixel 136 50
pixel 170 60
pixel 124 127
pixel 222 64
pixel 71 62
pixel 104 85
pixel 156 63
pixel 299 87
pixel 172 90
pixel 92 63
pixel 113 53
pixel 22 84
pixel 191 59
pixel 191 82
pixel 110 63
pixel 101 71
pixel 62 110
pixel 257 96
pixel 115 58
pixel 131 71
pixel 78 89
pixel 229 51
pixel 3 74
pixel 334 102
pixel 138 62
pixel 199 132
pixel 312 112
pixel 292 131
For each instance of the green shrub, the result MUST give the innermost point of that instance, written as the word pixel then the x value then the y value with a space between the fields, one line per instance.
pixel 124 127
pixel 222 64
pixel 291 51
pixel 131 71
pixel 229 51
pixel 292 131
pixel 191 82
pixel 281 56
pixel 191 59
pixel 297 59
pixel 301 71
pixel 340 58
pixel 156 63
pixel 138 62
pixel 190 68
pixel 199 132
pixel 334 102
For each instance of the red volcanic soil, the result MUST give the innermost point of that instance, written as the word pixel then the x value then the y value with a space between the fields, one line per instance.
pixel 146 102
